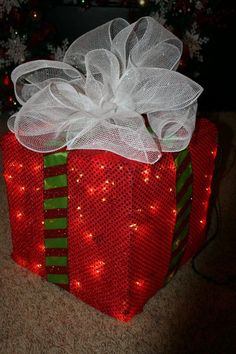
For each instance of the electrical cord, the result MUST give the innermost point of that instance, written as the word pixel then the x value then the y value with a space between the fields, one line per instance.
pixel 230 280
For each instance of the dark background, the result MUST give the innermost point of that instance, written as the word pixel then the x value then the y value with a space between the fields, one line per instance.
pixel 217 72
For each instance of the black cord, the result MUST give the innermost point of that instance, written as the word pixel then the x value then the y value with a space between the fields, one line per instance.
pixel 229 280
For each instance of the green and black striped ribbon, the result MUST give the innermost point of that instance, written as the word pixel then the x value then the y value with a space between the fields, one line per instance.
pixel 55 221
pixel 184 185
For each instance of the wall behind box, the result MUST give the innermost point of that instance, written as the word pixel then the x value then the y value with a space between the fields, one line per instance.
pixel 73 21
pixel 216 70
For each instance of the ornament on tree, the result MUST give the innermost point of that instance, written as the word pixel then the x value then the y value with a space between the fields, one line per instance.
pixel 58 52
pixel 16 47
pixel 22 17
pixel 185 19
pixel 11 102
pixel 6 80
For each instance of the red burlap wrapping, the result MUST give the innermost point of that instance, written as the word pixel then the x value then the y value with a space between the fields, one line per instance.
pixel 121 219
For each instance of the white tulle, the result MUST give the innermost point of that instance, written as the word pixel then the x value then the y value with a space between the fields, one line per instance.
pixel 96 98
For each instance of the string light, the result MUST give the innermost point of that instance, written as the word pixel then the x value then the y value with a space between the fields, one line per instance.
pixel 142 2
pixel 98 267
pixel 133 226
pixel 103 200
pixel 89 235
pixel 171 189
pixel 41 247
pixel 157 177
pixel 91 190
pixel 213 152
pixel 37 167
pixel 77 284
pixel 177 243
pixel 139 283
pixel 153 209
pixel 19 215
pixel 79 208
pixel 8 177
pixel 145 172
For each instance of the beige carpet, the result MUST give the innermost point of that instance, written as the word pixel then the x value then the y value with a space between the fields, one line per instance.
pixel 189 316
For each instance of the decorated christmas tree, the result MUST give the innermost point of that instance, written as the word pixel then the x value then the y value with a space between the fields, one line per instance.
pixel 24 35
pixel 196 23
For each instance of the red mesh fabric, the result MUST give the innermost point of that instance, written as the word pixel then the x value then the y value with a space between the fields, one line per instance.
pixel 23 171
pixel 121 217
pixel 119 246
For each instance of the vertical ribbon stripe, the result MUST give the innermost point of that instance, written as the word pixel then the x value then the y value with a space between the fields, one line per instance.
pixel 184 181
pixel 55 219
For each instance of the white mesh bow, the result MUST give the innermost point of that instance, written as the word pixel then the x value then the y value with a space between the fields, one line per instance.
pixel 95 99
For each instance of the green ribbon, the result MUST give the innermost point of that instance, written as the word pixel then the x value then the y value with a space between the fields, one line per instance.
pixel 55 182
pixel 56 242
pixel 59 158
pixel 56 203
pixel 58 278
pixel 55 224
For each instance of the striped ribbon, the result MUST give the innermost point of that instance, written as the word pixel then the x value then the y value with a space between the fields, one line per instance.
pixel 55 218
pixel 184 182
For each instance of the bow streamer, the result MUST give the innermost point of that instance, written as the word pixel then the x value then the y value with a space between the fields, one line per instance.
pixel 96 98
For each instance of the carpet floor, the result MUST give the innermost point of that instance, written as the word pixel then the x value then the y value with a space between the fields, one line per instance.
pixel 189 316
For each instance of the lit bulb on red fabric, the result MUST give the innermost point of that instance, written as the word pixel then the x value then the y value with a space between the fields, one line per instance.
pixel 139 283
pixel 153 209
pixel 77 284
pixel 41 247
pixel 98 267
pixel 19 215
pixel 133 226
pixel 91 190
pixel 88 236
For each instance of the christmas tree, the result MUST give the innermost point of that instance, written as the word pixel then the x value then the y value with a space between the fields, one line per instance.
pixel 24 35
pixel 196 23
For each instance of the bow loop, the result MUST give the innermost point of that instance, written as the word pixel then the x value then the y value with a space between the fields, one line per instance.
pixel 96 97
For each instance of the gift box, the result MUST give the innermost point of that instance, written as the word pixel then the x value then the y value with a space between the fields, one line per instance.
pixel 105 202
